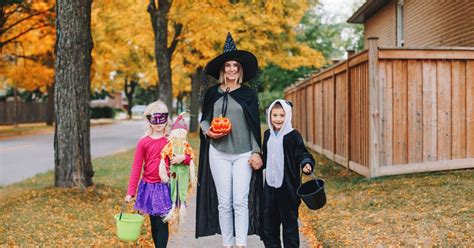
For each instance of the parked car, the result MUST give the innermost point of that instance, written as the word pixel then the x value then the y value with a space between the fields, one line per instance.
pixel 138 110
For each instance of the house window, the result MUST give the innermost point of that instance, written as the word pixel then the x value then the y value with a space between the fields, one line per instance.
pixel 400 37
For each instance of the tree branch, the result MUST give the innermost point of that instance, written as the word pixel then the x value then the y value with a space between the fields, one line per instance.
pixel 178 28
pixel 151 7
pixel 3 43
pixel 17 9
pixel 4 30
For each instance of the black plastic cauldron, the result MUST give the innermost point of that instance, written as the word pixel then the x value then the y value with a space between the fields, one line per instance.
pixel 312 193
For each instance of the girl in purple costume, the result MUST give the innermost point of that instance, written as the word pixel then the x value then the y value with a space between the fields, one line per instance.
pixel 153 196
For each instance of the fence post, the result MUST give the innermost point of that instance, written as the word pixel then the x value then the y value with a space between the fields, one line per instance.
pixel 375 126
pixel 347 135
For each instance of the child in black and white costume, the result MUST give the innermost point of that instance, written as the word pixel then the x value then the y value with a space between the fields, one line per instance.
pixel 284 155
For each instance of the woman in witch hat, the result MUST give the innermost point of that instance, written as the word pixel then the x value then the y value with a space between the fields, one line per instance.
pixel 230 175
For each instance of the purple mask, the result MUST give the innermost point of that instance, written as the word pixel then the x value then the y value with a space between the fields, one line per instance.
pixel 157 118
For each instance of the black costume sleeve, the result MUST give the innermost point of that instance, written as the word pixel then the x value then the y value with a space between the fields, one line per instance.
pixel 301 153
pixel 266 135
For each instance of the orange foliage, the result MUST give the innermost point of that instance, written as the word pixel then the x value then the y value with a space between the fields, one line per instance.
pixel 27 44
pixel 124 40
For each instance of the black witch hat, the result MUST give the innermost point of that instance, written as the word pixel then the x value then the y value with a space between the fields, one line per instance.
pixel 246 59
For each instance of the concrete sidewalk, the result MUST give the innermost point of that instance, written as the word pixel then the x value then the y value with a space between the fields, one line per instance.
pixel 185 236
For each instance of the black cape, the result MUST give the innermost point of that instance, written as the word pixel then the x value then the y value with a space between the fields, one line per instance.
pixel 207 216
pixel 296 156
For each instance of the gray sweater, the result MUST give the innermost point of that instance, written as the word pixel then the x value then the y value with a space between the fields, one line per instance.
pixel 240 139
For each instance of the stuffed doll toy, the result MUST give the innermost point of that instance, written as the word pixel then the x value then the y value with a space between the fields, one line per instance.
pixel 180 175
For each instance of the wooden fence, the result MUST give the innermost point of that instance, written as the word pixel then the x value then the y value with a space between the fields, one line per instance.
pixel 387 111
pixel 27 112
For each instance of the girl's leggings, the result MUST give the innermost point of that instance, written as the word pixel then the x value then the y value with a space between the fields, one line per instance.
pixel 159 231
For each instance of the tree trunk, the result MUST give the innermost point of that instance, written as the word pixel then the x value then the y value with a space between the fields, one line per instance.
pixel 15 106
pixel 163 52
pixel 195 86
pixel 129 89
pixel 72 158
pixel 159 20
pixel 50 106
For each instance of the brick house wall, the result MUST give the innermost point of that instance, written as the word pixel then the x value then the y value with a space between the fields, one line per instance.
pixel 439 23
pixel 426 23
pixel 382 25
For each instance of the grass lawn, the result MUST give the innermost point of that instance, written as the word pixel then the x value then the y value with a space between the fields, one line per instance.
pixel 423 209
pixel 21 129
pixel 8 131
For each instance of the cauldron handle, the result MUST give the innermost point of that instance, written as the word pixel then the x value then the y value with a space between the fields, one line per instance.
pixel 312 174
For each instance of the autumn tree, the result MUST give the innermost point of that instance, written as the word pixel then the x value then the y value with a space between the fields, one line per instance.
pixel 265 28
pixel 191 38
pixel 26 45
pixel 159 11
pixel 73 167
pixel 123 54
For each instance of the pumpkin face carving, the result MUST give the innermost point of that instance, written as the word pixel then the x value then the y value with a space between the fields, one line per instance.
pixel 221 125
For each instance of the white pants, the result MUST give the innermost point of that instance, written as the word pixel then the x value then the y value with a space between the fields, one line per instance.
pixel 232 174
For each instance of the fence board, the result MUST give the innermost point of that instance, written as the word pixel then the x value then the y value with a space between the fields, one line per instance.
pixel 357 59
pixel 355 117
pixel 341 114
pixel 310 113
pixel 470 109
pixel 300 111
pixel 319 114
pixel 388 114
pixel 325 114
pixel 444 109
pixel 425 54
pixel 353 114
pixel 383 83
pixel 331 115
pixel 429 111
pixel 415 108
pixel 400 131
pixel 459 109
pixel 27 112
pixel 304 112
pixel 365 113
pixel 362 114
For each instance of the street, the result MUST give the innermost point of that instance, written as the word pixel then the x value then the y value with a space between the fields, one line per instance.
pixel 25 156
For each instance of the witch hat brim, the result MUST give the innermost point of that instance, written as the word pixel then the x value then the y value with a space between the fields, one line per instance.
pixel 246 59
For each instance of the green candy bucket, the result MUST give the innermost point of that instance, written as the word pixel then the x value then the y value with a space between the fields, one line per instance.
pixel 129 226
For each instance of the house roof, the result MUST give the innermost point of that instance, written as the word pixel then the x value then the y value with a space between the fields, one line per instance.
pixel 368 9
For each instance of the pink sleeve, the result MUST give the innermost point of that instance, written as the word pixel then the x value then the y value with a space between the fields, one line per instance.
pixel 136 170
pixel 187 160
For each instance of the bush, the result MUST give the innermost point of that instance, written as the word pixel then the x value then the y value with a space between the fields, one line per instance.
pixel 102 112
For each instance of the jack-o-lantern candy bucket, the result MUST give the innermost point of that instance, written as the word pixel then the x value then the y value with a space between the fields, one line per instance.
pixel 221 125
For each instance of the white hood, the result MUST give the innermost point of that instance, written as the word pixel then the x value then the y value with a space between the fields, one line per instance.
pixel 275 155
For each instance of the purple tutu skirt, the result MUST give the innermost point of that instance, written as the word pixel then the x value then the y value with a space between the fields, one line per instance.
pixel 153 198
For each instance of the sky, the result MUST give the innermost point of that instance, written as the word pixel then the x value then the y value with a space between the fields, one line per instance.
pixel 341 10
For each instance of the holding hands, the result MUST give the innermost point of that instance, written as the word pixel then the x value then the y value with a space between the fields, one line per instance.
pixel 255 161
